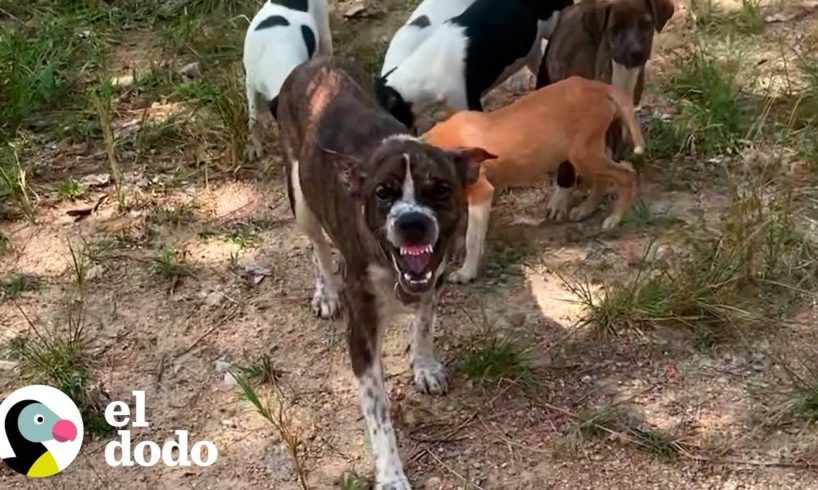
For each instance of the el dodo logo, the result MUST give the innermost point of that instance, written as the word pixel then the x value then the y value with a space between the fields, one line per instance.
pixel 40 431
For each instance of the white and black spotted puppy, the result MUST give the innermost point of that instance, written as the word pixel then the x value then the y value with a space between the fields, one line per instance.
pixel 419 26
pixel 281 36
pixel 468 55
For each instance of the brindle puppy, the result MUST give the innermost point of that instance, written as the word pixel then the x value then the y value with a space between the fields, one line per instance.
pixel 390 204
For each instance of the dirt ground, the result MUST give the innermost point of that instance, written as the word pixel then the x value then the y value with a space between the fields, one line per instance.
pixel 175 340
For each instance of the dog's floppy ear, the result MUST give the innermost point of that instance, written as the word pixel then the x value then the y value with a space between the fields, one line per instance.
pixel 595 17
pixel 467 162
pixel 349 171
pixel 662 12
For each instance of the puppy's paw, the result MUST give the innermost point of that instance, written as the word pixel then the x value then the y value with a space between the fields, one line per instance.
pixel 611 222
pixel 430 377
pixel 580 212
pixel 325 304
pixel 397 483
pixel 558 204
pixel 253 151
pixel 462 276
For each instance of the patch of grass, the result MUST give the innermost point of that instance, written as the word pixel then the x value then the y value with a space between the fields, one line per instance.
pixel 277 412
pixel 796 392
pixel 5 245
pixel 101 101
pixel 16 285
pixel 183 214
pixel 713 20
pixel 71 190
pixel 14 186
pixel 711 119
pixel 60 356
pixel 263 371
pixel 167 265
pixel 488 359
pixel 245 235
pixel 353 481
pixel 753 267
pixel 170 132
pixel 805 113
pixel 45 62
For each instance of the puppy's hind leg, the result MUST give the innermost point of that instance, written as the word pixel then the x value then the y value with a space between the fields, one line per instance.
pixel 325 301
pixel 480 198
pixel 254 149
pixel 564 180
pixel 430 374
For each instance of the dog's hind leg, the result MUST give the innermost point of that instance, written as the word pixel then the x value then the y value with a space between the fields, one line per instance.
pixel 591 202
pixel 430 374
pixel 364 326
pixel 564 181
pixel 325 301
pixel 481 195
pixel 254 148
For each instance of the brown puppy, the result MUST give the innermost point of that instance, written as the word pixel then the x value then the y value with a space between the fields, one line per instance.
pixel 604 40
pixel 564 121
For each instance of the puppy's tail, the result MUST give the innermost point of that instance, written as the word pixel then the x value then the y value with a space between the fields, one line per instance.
pixel 623 107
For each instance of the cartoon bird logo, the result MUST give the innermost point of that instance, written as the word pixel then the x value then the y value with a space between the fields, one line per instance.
pixel 34 440
pixel 28 425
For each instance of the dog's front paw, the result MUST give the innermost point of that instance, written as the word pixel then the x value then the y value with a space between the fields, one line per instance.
pixel 325 304
pixel 253 151
pixel 557 208
pixel 611 222
pixel 430 377
pixel 581 212
pixel 401 483
pixel 462 276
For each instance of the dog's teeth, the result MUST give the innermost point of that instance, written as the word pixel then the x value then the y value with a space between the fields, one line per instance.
pixel 428 249
pixel 428 275
pixel 403 251
pixel 407 276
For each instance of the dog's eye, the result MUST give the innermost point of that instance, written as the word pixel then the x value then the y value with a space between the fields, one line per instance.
pixel 386 193
pixel 440 190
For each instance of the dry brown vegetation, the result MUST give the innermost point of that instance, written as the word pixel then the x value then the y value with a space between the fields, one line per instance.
pixel 138 250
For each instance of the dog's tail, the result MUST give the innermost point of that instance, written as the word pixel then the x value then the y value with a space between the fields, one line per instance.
pixel 624 112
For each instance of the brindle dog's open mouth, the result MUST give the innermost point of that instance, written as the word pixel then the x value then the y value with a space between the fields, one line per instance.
pixel 416 266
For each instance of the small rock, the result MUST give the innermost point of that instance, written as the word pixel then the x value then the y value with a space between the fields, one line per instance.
pixel 222 366
pixel 95 180
pixel 586 379
pixel 229 380
pixel 354 10
pixel 433 483
pixel 122 81
pixel 8 365
pixel 214 299
pixel 94 272
pixel 517 319
pixel 229 423
pixel 191 70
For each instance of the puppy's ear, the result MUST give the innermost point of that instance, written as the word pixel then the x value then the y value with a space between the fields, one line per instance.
pixel 662 12
pixel 348 170
pixel 467 162
pixel 595 17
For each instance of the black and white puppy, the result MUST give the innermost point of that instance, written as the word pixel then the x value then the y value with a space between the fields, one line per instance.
pixel 428 16
pixel 282 35
pixel 467 56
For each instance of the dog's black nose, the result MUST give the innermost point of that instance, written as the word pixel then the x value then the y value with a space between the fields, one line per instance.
pixel 413 227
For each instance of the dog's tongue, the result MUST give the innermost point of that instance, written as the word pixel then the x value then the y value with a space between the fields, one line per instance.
pixel 417 259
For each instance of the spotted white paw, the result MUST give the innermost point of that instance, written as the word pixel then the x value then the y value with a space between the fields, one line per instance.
pixel 430 376
pixel 462 276
pixel 325 304
pixel 399 483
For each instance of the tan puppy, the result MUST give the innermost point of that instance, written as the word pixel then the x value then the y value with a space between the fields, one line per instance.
pixel 564 121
